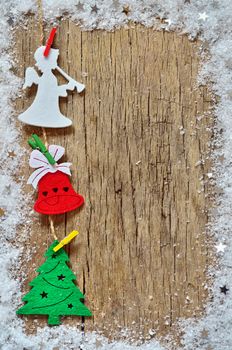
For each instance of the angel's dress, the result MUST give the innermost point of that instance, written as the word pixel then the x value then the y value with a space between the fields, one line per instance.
pixel 45 111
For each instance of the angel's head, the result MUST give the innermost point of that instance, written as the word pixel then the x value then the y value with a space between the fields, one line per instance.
pixel 46 63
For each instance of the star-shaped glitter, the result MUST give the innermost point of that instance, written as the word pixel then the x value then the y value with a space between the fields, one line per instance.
pixel 220 247
pixel 61 277
pixel 224 289
pixel 70 306
pixel 10 21
pixel 44 295
pixel 94 8
pixel 203 16
pixel 80 6
pixel 204 333
pixel 11 154
pixel 126 10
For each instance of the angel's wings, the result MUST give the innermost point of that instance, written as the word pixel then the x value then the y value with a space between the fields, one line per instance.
pixel 31 77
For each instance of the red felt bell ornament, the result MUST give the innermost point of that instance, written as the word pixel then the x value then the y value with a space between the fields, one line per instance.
pixel 56 195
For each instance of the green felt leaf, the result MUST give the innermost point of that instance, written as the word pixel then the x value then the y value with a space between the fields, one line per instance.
pixel 53 291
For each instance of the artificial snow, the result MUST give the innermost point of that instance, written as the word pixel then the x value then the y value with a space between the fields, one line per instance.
pixel 211 22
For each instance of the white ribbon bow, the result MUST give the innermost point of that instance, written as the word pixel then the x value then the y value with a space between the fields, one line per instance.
pixel 38 160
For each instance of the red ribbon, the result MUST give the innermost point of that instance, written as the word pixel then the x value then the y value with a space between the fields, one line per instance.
pixel 49 42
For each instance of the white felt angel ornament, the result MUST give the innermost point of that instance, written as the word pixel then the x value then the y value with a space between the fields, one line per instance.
pixel 45 110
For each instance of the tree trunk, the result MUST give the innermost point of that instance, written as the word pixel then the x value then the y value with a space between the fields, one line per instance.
pixel 53 320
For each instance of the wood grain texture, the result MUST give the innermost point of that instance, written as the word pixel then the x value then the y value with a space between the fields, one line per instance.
pixel 140 158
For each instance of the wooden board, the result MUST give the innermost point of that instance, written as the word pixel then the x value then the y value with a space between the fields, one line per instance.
pixel 139 147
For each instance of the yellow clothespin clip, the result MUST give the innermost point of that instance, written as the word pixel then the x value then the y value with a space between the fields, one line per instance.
pixel 66 240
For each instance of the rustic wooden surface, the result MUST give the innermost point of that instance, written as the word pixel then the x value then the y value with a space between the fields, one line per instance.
pixel 139 157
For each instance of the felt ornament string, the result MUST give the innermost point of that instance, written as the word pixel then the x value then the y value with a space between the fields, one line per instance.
pixel 40 14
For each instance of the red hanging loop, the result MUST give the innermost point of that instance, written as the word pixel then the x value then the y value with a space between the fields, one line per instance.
pixel 49 41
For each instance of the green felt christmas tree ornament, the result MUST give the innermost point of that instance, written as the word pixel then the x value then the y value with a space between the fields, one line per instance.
pixel 53 291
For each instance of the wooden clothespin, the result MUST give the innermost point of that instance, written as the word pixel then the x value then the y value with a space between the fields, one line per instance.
pixel 49 42
pixel 66 240
pixel 36 143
